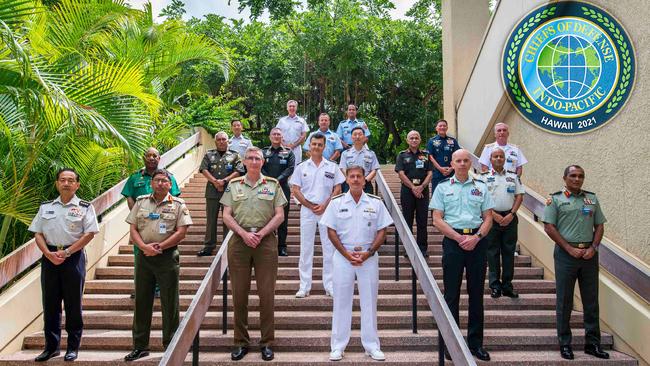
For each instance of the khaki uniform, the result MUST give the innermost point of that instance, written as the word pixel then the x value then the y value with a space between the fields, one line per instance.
pixel 575 216
pixel 220 165
pixel 156 221
pixel 253 206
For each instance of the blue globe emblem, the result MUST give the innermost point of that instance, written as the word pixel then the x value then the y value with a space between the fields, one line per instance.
pixel 569 67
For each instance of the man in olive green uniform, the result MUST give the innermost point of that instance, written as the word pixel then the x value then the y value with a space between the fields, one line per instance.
pixel 159 221
pixel 253 210
pixel 139 183
pixel 574 221
pixel 219 166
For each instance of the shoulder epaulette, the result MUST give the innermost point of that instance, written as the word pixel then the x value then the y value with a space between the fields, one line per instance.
pixel 479 180
pixel 233 151
pixel 444 180
pixel 483 173
pixel 237 179
pixel 142 197
pixel 373 196
pixel 512 145
pixel 338 196
pixel 588 192
pixel 490 145
pixel 556 193
pixel 308 160
pixel 83 203
pixel 46 202
pixel 178 199
pixel 510 171
pixel 271 179
pixel 401 152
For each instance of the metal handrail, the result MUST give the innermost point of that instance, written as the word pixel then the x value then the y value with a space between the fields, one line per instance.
pixel 629 270
pixel 447 327
pixel 187 333
pixel 24 257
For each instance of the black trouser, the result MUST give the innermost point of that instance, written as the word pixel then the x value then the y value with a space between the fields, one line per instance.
pixel 212 207
pixel 417 207
pixel 502 242
pixel 283 228
pixel 454 260
pixel 368 188
pixel 63 282
pixel 567 270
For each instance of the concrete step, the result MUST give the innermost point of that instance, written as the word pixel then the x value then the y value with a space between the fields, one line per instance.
pixel 292 261
pixel 319 340
pixel 198 227
pixel 312 320
pixel 289 287
pixel 321 302
pixel 197 273
pixel 294 238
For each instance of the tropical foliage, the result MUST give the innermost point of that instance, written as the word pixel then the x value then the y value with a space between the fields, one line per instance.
pixel 87 84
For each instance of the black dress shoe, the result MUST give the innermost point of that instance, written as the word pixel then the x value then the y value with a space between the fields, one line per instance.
pixel 496 293
pixel 267 353
pixel 481 354
pixel 282 252
pixel 136 354
pixel 46 355
pixel 70 356
pixel 596 350
pixel 511 294
pixel 566 352
pixel 204 253
pixel 238 353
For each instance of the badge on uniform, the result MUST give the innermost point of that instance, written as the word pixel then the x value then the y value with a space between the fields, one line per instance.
pixel 283 162
pixel 476 192
pixel 162 228
pixel 446 159
pixel 510 189
pixel 419 164
pixel 450 142
pixel 510 179
pixel 491 179
pixel 329 175
pixel 229 167
pixel 407 160
pixel 154 215
pixel 588 201
pixel 436 143
pixel 586 211
pixel 446 148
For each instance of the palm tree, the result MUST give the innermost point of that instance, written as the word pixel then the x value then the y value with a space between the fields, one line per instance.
pixel 81 85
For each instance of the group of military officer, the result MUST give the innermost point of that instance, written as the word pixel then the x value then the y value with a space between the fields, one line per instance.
pixel 477 216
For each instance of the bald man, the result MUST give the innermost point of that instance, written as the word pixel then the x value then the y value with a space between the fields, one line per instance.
pixel 515 158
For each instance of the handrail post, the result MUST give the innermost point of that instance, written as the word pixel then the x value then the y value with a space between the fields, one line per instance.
pixel 195 349
pixel 396 256
pixel 224 305
pixel 414 300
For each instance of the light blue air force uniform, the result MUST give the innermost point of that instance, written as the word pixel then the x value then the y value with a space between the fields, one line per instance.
pixel 462 203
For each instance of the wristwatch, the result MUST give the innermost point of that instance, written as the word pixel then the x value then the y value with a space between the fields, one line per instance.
pixel 372 251
pixel 478 233
pixel 67 252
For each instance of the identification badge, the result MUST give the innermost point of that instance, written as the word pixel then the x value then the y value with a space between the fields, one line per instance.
pixel 283 162
pixel 162 228
pixel 446 148
pixel 229 167
pixel 419 164
pixel 154 216
pixel 586 211
pixel 511 189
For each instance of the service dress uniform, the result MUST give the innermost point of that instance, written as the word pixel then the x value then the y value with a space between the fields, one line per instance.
pixel 356 224
pixel 62 225
pixel 220 165
pixel 316 184
pixel 574 216
pixel 253 206
pixel 514 156
pixel 502 240
pixel 344 130
pixel 463 205
pixel 292 128
pixel 416 166
pixel 365 158
pixel 239 144
pixel 279 163
pixel 440 149
pixel 332 143
pixel 156 221
pixel 139 184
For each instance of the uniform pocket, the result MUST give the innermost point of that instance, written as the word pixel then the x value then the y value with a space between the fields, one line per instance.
pixel 74 224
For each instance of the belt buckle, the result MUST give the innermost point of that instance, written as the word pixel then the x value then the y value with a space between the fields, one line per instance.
pixel 253 230
pixel 358 249
pixel 416 182
pixel 59 247
pixel 467 231
pixel 582 246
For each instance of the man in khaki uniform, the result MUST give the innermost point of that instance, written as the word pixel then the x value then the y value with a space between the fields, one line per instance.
pixel 159 221
pixel 219 166
pixel 253 210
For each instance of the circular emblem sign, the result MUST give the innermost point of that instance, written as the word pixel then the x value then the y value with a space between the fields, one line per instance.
pixel 568 67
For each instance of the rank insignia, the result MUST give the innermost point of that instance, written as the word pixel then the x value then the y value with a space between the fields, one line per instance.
pixel 476 192
pixel 549 201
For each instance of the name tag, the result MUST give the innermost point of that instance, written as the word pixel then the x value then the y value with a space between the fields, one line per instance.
pixel 162 228
pixel 419 164
pixel 511 189
pixel 586 211
pixel 154 216
pixel 283 162
pixel 329 175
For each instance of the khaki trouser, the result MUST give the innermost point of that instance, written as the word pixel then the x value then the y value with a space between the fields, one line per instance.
pixel 264 258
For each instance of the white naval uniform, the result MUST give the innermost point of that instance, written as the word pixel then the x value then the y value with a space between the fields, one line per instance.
pixel 239 144
pixel 514 156
pixel 356 225
pixel 316 184
pixel 292 128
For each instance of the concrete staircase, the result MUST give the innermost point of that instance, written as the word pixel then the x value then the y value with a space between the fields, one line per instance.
pixel 518 332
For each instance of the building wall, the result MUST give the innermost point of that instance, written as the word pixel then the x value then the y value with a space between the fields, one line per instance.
pixel 616 157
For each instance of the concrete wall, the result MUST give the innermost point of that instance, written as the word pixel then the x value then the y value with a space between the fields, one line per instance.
pixel 616 157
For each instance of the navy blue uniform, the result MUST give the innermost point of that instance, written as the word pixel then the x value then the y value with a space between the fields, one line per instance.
pixel 440 149
pixel 279 163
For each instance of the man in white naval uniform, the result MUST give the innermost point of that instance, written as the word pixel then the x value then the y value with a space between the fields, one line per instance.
pixel 314 182
pixel 515 158
pixel 356 224
pixel 294 130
